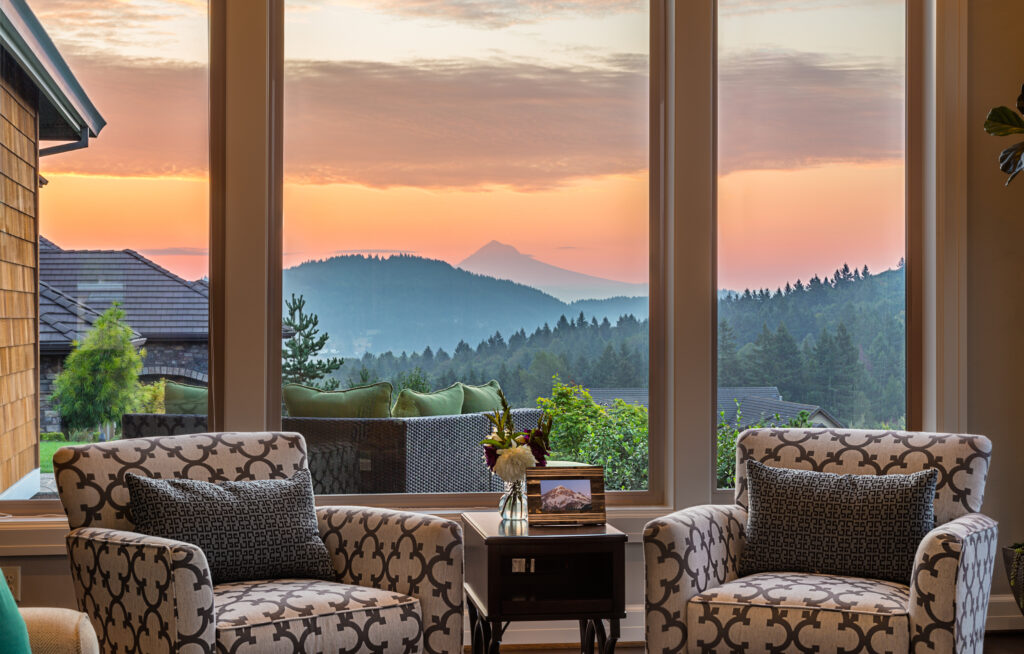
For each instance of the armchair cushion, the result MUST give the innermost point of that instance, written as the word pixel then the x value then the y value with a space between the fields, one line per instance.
pixel 797 612
pixel 301 615
pixel 247 529
pixel 858 525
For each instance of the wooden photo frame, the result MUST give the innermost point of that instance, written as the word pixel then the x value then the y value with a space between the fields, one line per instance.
pixel 566 489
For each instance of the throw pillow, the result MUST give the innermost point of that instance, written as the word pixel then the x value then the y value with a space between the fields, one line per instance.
pixel 184 399
pixel 13 634
pixel 479 399
pixel 249 530
pixel 855 525
pixel 446 402
pixel 372 401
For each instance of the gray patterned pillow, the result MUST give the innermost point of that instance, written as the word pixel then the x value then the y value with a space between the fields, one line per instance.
pixel 855 525
pixel 248 530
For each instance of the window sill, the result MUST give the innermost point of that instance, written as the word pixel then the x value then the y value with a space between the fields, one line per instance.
pixel 44 535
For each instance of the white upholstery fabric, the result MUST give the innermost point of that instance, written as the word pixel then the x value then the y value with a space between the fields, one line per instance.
pixel 59 631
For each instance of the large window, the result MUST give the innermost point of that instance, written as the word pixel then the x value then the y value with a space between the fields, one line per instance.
pixel 123 231
pixel 465 200
pixel 811 217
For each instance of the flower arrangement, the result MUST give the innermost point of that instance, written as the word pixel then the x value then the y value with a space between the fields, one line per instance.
pixel 508 452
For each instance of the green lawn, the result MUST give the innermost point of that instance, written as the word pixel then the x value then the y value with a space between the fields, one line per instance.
pixel 46 451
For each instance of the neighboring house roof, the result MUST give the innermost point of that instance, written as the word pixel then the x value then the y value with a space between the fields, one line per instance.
pixel 65 111
pixel 757 404
pixel 158 304
pixel 64 320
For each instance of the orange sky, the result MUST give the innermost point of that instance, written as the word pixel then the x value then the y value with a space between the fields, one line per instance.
pixel 436 127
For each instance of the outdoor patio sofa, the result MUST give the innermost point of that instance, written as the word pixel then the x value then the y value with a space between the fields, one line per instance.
pixel 439 454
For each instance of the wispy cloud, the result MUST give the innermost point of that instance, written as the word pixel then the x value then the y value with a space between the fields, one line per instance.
pixel 737 7
pixel 783 110
pixel 85 24
pixel 464 123
pixel 500 13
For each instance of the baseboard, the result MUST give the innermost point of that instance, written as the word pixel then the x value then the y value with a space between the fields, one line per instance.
pixel 631 630
pixel 24 488
pixel 1003 614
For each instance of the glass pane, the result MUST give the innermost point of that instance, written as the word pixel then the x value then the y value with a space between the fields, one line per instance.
pixel 811 224
pixel 466 200
pixel 123 228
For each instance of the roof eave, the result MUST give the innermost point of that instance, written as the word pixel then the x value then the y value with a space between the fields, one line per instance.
pixel 23 36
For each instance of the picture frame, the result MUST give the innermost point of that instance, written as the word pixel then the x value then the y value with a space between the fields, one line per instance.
pixel 558 495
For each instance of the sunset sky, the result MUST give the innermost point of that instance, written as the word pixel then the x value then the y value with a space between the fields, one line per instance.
pixel 434 127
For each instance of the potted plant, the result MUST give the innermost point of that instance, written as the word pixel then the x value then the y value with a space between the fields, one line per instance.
pixel 1004 121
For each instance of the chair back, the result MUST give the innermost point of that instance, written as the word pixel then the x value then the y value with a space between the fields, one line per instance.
pixel 961 459
pixel 90 477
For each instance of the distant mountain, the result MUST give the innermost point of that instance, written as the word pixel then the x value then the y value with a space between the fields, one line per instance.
pixel 503 261
pixel 405 303
pixel 563 500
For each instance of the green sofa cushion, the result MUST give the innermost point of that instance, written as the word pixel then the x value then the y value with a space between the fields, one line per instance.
pixel 13 633
pixel 372 401
pixel 479 399
pixel 446 402
pixel 185 399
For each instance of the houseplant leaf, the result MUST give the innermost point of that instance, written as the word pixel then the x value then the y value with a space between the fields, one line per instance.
pixel 1020 100
pixel 1003 121
pixel 1011 161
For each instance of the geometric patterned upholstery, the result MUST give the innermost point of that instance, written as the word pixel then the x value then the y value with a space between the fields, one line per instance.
pixel 307 615
pixel 90 478
pixel 799 612
pixel 696 601
pixel 961 459
pixel 155 595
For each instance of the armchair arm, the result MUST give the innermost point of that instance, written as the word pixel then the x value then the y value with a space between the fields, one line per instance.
pixel 686 553
pixel 409 553
pixel 59 631
pixel 142 593
pixel 950 584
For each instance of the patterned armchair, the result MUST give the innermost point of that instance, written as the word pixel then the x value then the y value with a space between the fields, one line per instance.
pixel 696 602
pixel 399 585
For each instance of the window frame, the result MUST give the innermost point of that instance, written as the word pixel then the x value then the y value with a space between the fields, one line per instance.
pixel 683 306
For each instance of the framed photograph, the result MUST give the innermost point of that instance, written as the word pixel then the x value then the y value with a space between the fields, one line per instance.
pixel 565 495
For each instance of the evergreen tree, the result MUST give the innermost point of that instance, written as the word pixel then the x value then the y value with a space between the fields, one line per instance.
pixel 730 367
pixel 299 361
pixel 100 379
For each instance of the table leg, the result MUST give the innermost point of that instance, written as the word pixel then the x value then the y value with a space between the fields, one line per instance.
pixel 496 632
pixel 594 629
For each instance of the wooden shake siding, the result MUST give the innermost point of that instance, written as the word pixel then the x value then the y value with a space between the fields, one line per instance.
pixel 19 301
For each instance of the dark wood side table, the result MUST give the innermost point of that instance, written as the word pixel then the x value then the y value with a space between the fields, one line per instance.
pixel 518 572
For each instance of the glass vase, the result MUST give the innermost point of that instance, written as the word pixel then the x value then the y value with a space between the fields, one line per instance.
pixel 512 506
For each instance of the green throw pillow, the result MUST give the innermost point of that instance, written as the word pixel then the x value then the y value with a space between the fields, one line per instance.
pixel 479 399
pixel 185 399
pixel 411 404
pixel 373 401
pixel 13 634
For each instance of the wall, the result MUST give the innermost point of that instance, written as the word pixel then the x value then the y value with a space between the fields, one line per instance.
pixel 18 285
pixel 995 284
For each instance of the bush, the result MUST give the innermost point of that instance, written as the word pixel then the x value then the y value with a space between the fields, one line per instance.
pixel 728 434
pixel 614 437
pixel 51 437
pixel 150 397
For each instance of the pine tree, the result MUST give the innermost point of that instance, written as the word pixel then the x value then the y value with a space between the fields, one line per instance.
pixel 299 361
pixel 730 367
pixel 100 379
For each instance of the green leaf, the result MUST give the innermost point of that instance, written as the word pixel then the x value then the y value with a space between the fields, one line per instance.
pixel 1003 121
pixel 1011 161
pixel 1020 100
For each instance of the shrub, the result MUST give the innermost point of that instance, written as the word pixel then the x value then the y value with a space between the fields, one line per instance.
pixel 728 433
pixel 614 437
pixel 52 437
pixel 150 397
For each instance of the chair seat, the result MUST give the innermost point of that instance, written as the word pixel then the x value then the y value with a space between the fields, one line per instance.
pixel 307 615
pixel 796 612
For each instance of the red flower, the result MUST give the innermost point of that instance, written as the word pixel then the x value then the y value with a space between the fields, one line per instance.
pixel 491 456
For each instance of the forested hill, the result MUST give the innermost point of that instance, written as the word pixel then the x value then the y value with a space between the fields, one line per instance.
pixel 403 302
pixel 837 342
